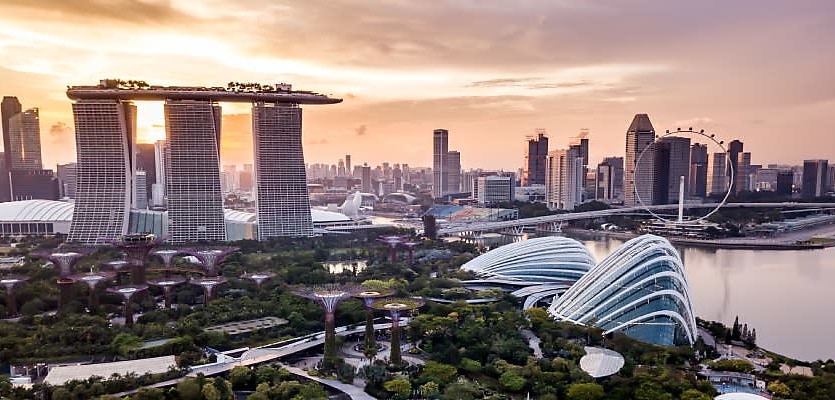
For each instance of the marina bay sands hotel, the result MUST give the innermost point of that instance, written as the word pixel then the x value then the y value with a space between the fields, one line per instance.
pixel 105 129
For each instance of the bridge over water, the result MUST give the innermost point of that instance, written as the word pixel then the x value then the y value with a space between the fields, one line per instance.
pixel 551 223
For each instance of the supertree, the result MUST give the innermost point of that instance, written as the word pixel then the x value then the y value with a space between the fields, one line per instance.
pixel 118 267
pixel 258 277
pixel 167 256
pixel 396 307
pixel 208 283
pixel 64 261
pixel 136 247
pixel 368 296
pixel 9 282
pixel 411 246
pixel 328 296
pixel 92 279
pixel 127 292
pixel 210 257
pixel 392 242
pixel 167 283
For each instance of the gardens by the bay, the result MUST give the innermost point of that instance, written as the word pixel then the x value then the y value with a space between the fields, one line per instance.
pixel 411 333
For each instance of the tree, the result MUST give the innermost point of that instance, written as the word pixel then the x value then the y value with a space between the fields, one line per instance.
pixel 585 391
pixel 735 332
pixel 651 391
pixel 512 381
pixel 779 389
pixel 399 386
pixel 124 344
pixel 189 389
pixel 439 372
pixel 430 227
pixel 241 377
pixel 150 394
pixel 210 392
pixel 429 389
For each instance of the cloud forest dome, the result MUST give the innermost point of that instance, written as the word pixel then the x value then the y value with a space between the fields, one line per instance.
pixel 639 290
pixel 550 259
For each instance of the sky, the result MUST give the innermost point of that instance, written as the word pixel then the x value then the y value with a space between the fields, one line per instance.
pixel 489 71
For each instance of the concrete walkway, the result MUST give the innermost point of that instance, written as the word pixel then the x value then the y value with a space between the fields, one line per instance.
pixel 533 342
pixel 352 391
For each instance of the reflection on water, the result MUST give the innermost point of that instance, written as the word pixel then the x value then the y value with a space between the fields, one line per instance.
pixel 341 266
pixel 785 295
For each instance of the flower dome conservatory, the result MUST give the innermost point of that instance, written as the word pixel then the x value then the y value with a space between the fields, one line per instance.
pixel 639 290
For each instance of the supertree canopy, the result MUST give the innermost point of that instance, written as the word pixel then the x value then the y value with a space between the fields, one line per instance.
pixel 167 283
pixel 9 283
pixel 210 257
pixel 64 260
pixel 136 247
pixel 208 283
pixel 93 279
pixel 127 292
pixel 167 256
pixel 395 308
pixel 392 242
pixel 258 277
pixel 328 297
pixel 368 296
pixel 411 246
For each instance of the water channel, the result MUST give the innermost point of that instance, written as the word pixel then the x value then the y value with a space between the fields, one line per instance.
pixel 788 296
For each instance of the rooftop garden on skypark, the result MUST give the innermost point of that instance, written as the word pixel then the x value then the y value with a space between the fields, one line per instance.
pixel 251 87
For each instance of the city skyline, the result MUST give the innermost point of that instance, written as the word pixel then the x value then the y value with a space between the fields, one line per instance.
pixel 540 69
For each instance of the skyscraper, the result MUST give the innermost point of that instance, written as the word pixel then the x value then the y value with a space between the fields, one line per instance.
pixel 609 181
pixel 638 176
pixel 698 171
pixel 453 171
pixel 535 154
pixel 718 182
pixel 672 162
pixel 348 168
pixel 140 188
pixel 67 179
pixel 815 177
pixel 9 107
pixel 195 201
pixel 282 199
pixel 735 160
pixel 565 178
pixel 103 133
pixel 440 151
pixel 24 151
pixel 146 161
pixel 365 175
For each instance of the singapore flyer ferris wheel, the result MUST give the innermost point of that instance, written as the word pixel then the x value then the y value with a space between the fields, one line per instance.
pixel 668 180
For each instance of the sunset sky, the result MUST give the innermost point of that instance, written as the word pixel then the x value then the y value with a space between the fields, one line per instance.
pixel 491 72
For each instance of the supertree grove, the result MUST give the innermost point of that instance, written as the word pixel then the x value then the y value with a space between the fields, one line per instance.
pixel 64 261
pixel 258 277
pixel 395 308
pixel 392 242
pixel 167 256
pixel 9 283
pixel 208 283
pixel 411 246
pixel 127 292
pixel 368 296
pixel 167 283
pixel 328 297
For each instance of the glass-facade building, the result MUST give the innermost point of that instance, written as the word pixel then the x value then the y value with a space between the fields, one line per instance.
pixel 549 259
pixel 282 199
pixel 640 290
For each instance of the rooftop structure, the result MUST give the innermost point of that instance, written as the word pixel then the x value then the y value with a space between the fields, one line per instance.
pixel 60 375
pixel 600 362
pixel 115 89
pixel 640 290
pixel 241 327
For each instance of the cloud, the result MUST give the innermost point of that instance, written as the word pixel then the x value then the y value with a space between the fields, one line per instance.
pixel 126 11
pixel 60 129
pixel 315 142
pixel 360 130
pixel 696 123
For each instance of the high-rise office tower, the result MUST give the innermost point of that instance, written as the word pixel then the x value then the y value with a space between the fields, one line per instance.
pixel 67 178
pixel 230 178
pixel 453 170
pixel 609 180
pixel 440 151
pixel 535 153
pixel 159 162
pixel 140 188
pixel 638 176
pixel 246 179
pixel 195 201
pixel 815 177
pixel 9 107
pixel 282 199
pixel 734 160
pixel 698 171
pixel 348 169
pixel 365 174
pixel 24 149
pixel 672 162
pixel 565 178
pixel 719 181
pixel 103 139
pixel 494 189
pixel 785 182
pixel 744 178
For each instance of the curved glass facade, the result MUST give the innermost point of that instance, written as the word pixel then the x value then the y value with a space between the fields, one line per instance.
pixel 550 259
pixel 639 290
